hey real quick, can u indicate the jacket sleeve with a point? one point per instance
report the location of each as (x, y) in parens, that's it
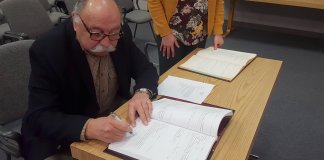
(144, 73)
(219, 17)
(159, 17)
(141, 70)
(45, 116)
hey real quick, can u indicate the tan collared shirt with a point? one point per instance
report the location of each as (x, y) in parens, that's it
(104, 79)
(105, 82)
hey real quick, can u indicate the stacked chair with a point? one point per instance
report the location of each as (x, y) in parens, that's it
(26, 19)
(55, 16)
(4, 27)
(14, 71)
(69, 4)
(134, 14)
(137, 14)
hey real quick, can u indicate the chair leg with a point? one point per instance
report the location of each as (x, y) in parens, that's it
(152, 31)
(147, 44)
(153, 44)
(135, 30)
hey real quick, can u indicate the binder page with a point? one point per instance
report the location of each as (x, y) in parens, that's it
(211, 67)
(191, 116)
(160, 141)
(185, 89)
(230, 56)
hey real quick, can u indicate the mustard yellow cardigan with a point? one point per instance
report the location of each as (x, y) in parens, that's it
(162, 11)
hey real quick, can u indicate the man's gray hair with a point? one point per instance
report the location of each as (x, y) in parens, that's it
(79, 5)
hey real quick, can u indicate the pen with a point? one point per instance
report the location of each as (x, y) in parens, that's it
(116, 117)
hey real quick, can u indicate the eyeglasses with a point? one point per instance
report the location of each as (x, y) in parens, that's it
(98, 36)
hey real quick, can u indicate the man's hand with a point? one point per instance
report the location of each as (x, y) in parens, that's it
(167, 45)
(218, 41)
(106, 129)
(141, 104)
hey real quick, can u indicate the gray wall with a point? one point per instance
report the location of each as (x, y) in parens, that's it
(288, 17)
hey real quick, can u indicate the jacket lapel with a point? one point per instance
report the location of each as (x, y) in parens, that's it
(82, 67)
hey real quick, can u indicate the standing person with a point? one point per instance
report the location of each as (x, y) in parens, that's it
(78, 72)
(183, 25)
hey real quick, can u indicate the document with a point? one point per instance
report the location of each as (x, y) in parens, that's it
(221, 63)
(178, 130)
(185, 89)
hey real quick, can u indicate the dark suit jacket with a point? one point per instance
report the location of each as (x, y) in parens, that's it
(61, 90)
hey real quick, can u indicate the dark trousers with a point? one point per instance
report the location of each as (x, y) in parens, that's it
(181, 52)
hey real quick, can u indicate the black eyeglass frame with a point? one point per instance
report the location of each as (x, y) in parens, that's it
(98, 36)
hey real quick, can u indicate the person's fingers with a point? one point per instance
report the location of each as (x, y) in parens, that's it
(132, 115)
(222, 43)
(109, 133)
(168, 52)
(142, 115)
(116, 136)
(121, 126)
(118, 129)
(150, 106)
(111, 137)
(218, 41)
(164, 51)
(215, 45)
(177, 44)
(146, 110)
(172, 51)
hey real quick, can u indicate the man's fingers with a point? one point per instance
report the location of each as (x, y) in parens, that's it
(113, 137)
(132, 115)
(150, 106)
(109, 133)
(142, 115)
(120, 126)
(146, 110)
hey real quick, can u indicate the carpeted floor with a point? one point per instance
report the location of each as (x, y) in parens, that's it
(292, 127)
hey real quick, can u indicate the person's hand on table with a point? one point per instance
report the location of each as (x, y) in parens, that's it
(141, 105)
(218, 41)
(106, 129)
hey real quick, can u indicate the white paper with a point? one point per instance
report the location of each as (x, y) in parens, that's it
(191, 116)
(185, 89)
(177, 131)
(161, 141)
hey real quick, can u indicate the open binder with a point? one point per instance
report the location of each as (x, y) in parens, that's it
(221, 63)
(178, 129)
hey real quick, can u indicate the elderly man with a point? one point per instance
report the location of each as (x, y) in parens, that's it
(80, 69)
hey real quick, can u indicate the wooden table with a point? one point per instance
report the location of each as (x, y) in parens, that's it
(315, 4)
(247, 94)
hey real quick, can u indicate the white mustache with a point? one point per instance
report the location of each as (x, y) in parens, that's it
(99, 48)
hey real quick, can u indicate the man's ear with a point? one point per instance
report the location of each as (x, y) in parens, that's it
(74, 25)
(75, 20)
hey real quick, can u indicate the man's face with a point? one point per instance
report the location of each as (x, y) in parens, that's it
(97, 32)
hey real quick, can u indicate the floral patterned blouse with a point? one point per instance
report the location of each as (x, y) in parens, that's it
(189, 22)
